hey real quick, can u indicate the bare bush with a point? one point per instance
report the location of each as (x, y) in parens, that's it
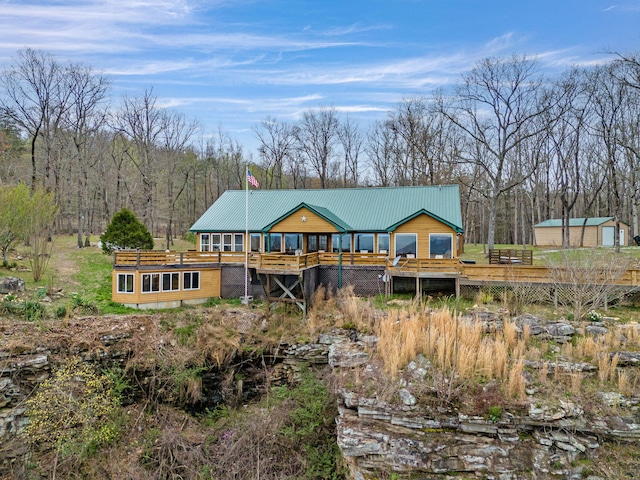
(588, 279)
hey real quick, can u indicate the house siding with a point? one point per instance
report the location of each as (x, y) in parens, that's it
(209, 287)
(424, 225)
(313, 223)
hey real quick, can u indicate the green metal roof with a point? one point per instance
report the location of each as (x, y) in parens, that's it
(575, 222)
(372, 209)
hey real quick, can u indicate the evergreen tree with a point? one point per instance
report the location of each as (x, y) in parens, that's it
(127, 232)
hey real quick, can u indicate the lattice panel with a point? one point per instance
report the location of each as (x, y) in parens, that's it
(543, 293)
(232, 283)
(365, 281)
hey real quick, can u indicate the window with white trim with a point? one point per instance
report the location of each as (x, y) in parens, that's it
(440, 245)
(125, 283)
(238, 242)
(170, 282)
(215, 242)
(204, 242)
(383, 243)
(406, 244)
(150, 282)
(191, 280)
(226, 242)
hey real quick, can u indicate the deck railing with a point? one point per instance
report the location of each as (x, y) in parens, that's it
(516, 273)
(274, 261)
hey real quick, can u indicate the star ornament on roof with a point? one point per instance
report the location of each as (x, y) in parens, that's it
(304, 218)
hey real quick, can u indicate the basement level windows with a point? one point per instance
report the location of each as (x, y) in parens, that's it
(170, 282)
(150, 282)
(159, 282)
(125, 283)
(191, 280)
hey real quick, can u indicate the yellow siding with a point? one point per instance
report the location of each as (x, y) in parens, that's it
(209, 287)
(313, 223)
(552, 236)
(423, 225)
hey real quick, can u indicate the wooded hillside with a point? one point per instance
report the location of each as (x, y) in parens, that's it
(523, 147)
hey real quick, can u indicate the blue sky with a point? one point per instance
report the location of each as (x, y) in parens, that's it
(231, 63)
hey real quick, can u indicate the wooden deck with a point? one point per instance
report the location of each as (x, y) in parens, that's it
(470, 274)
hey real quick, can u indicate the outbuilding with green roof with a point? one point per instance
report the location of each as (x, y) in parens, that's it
(583, 232)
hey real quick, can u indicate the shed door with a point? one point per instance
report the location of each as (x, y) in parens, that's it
(608, 236)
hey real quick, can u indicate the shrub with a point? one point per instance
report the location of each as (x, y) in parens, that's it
(127, 232)
(73, 412)
(33, 311)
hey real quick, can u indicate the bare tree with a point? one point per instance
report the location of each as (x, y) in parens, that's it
(141, 121)
(566, 143)
(36, 97)
(422, 141)
(352, 146)
(86, 116)
(627, 71)
(317, 134)
(177, 133)
(497, 107)
(381, 150)
(608, 98)
(277, 142)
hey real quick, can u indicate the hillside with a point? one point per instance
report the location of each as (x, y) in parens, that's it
(225, 391)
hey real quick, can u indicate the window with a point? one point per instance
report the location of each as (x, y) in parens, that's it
(125, 283)
(204, 242)
(383, 243)
(317, 243)
(345, 245)
(363, 242)
(312, 243)
(226, 242)
(323, 243)
(238, 242)
(440, 245)
(215, 242)
(292, 242)
(150, 282)
(191, 280)
(275, 242)
(406, 244)
(255, 242)
(170, 282)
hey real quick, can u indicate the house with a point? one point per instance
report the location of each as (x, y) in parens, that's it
(598, 232)
(286, 243)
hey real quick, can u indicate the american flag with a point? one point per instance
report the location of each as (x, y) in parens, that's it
(251, 179)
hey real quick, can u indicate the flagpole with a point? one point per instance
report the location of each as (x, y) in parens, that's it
(247, 243)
